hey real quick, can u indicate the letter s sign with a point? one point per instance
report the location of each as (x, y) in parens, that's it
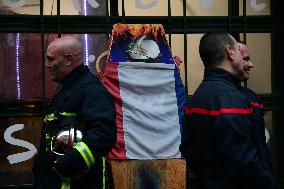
(23, 156)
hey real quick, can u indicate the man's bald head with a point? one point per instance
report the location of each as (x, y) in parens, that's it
(63, 55)
(69, 46)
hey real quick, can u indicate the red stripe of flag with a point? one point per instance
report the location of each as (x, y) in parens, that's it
(111, 82)
(217, 112)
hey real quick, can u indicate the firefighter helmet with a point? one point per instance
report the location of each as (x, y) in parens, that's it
(64, 140)
(144, 50)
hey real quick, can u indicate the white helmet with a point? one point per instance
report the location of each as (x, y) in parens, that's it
(144, 50)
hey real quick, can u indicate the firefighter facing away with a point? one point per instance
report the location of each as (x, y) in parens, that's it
(79, 126)
(218, 140)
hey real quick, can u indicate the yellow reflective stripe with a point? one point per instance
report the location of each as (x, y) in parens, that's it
(47, 138)
(65, 185)
(104, 173)
(67, 114)
(85, 153)
(50, 117)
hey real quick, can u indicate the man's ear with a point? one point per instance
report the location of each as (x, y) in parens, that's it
(68, 59)
(230, 52)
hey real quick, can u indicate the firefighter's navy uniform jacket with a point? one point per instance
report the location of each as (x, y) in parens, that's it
(220, 141)
(259, 127)
(83, 95)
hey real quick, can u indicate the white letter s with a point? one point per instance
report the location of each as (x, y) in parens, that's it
(23, 156)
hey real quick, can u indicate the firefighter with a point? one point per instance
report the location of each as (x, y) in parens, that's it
(217, 140)
(79, 126)
(258, 112)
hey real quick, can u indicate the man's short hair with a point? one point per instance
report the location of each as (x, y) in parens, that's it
(212, 48)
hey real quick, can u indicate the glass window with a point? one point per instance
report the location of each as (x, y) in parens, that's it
(21, 63)
(75, 7)
(207, 8)
(177, 48)
(176, 8)
(50, 7)
(160, 8)
(20, 66)
(195, 68)
(144, 8)
(30, 7)
(255, 7)
(259, 45)
(81, 7)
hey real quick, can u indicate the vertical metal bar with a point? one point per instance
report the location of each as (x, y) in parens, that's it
(58, 19)
(113, 7)
(123, 12)
(235, 12)
(185, 47)
(245, 28)
(42, 41)
(277, 113)
(245, 20)
(235, 8)
(274, 50)
(107, 19)
(169, 23)
(229, 16)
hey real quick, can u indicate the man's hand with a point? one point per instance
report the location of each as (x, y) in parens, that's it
(177, 61)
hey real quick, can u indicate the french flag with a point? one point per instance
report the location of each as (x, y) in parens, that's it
(148, 98)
